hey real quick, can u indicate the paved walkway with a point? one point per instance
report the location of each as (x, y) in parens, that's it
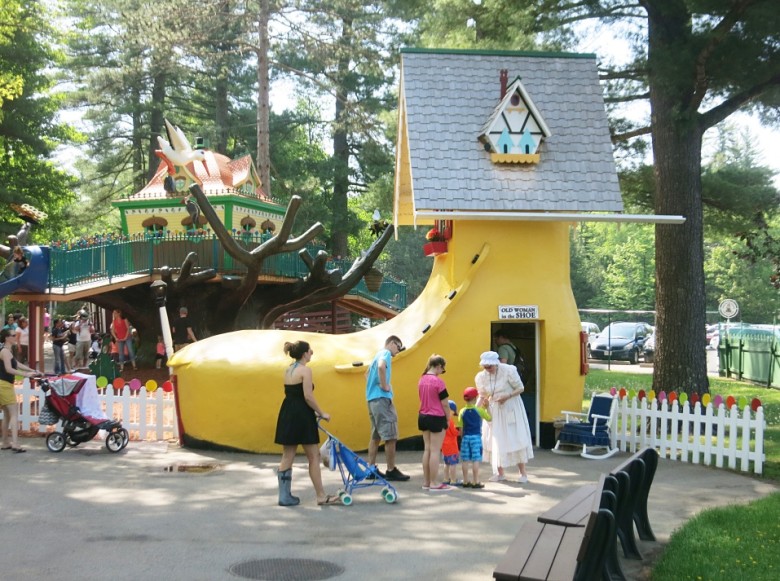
(87, 514)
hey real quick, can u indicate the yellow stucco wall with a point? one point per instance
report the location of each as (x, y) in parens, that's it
(174, 215)
(260, 216)
(230, 386)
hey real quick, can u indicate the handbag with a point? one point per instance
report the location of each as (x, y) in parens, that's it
(328, 454)
(48, 416)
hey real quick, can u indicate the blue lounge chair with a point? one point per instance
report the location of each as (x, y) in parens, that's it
(589, 436)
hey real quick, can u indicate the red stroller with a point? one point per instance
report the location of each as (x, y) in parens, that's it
(64, 395)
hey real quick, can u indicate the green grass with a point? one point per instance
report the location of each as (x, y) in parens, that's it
(736, 542)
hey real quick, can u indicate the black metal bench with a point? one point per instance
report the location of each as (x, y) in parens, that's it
(637, 474)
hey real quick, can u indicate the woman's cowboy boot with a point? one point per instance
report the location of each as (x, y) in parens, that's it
(285, 483)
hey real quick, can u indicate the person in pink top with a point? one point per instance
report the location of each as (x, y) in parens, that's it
(160, 357)
(433, 420)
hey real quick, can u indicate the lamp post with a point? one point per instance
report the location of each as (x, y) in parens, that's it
(159, 290)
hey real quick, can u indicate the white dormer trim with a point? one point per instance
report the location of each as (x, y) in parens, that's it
(495, 133)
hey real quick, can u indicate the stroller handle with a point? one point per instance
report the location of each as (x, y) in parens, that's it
(41, 379)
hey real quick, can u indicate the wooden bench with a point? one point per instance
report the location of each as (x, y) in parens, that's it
(574, 510)
(546, 549)
(552, 552)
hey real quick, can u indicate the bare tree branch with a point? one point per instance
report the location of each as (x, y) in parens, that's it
(735, 102)
(627, 98)
(186, 278)
(631, 134)
(322, 285)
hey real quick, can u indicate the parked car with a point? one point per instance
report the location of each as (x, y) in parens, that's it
(712, 331)
(648, 348)
(621, 341)
(714, 340)
(592, 329)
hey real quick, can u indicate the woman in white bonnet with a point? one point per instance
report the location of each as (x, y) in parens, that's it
(508, 437)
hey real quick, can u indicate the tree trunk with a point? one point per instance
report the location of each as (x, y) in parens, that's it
(679, 253)
(139, 175)
(221, 112)
(156, 122)
(263, 107)
(340, 225)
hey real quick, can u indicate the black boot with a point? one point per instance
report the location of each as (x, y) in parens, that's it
(285, 483)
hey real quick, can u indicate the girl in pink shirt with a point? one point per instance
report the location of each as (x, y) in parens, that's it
(433, 420)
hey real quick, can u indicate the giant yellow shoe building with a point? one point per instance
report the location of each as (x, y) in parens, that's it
(500, 152)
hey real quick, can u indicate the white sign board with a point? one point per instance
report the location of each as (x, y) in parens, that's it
(518, 311)
(728, 309)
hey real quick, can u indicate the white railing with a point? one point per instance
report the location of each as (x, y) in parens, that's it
(145, 415)
(698, 434)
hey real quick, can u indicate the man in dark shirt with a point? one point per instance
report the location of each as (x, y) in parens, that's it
(182, 330)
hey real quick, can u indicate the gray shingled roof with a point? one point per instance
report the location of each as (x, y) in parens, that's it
(450, 94)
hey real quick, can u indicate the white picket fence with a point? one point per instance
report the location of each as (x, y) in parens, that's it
(145, 415)
(710, 436)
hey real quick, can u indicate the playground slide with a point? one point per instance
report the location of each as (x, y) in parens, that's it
(35, 277)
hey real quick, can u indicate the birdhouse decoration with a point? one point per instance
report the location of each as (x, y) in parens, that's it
(515, 130)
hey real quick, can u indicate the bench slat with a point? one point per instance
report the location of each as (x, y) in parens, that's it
(544, 554)
(517, 554)
(564, 568)
(573, 510)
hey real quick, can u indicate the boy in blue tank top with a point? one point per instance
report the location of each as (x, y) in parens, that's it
(470, 421)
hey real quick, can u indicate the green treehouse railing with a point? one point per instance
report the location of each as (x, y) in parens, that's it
(82, 263)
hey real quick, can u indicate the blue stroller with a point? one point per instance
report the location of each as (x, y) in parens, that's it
(355, 472)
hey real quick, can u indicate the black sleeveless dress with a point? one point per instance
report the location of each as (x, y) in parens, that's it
(297, 422)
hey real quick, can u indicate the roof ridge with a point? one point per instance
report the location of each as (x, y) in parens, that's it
(496, 52)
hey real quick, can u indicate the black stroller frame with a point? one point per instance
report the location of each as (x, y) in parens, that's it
(355, 472)
(76, 428)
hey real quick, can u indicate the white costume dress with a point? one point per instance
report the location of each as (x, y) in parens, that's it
(507, 439)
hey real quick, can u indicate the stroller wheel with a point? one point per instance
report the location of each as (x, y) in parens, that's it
(346, 498)
(115, 442)
(389, 496)
(55, 442)
(125, 437)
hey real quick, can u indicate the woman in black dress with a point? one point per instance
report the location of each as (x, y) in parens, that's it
(297, 425)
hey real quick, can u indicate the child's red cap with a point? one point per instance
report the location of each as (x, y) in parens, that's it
(470, 393)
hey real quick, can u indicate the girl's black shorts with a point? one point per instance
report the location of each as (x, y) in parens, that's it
(428, 423)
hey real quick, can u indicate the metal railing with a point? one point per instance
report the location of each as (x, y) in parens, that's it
(88, 263)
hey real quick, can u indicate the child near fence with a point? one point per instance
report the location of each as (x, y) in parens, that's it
(450, 451)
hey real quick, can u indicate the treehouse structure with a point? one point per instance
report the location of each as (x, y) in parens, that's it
(232, 187)
(498, 154)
